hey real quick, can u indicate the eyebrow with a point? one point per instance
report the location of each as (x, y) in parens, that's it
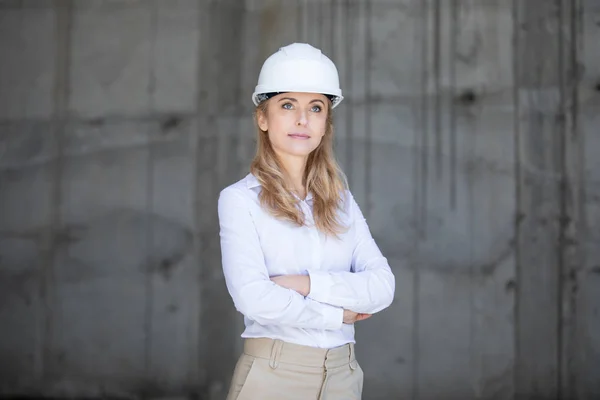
(294, 100)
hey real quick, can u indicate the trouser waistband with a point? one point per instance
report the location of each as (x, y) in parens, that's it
(277, 351)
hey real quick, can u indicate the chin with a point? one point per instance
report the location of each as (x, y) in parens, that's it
(296, 151)
(300, 152)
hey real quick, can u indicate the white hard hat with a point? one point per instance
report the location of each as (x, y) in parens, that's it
(298, 67)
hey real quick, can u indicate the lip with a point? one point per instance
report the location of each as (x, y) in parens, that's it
(297, 135)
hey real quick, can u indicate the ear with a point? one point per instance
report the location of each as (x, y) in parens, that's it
(261, 118)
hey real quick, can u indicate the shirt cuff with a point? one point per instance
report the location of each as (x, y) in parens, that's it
(320, 286)
(334, 318)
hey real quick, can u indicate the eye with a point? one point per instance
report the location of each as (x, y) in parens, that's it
(316, 109)
(287, 106)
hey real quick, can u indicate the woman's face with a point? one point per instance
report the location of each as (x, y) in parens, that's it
(295, 122)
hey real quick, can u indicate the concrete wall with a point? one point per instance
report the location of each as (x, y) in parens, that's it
(469, 134)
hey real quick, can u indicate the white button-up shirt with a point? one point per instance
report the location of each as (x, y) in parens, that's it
(345, 273)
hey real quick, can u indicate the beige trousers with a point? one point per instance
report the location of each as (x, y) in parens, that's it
(276, 370)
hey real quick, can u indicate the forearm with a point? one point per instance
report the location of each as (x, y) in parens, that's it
(270, 304)
(365, 292)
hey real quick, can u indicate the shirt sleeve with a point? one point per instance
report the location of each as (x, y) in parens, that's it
(370, 285)
(247, 277)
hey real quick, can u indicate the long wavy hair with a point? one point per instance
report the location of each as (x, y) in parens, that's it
(322, 176)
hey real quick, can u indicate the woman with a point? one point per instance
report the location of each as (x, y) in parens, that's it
(299, 261)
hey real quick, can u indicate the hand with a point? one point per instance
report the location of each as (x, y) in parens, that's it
(351, 317)
(298, 283)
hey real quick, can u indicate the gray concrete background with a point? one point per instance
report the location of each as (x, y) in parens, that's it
(469, 134)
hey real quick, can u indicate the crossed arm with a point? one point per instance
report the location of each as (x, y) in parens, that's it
(321, 300)
(301, 284)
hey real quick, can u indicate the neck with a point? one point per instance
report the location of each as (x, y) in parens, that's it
(294, 166)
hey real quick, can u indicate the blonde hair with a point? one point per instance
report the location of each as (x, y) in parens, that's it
(322, 176)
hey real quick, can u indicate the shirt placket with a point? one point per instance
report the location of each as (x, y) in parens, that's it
(314, 236)
(315, 250)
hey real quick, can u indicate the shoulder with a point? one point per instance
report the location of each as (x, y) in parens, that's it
(347, 198)
(351, 206)
(348, 203)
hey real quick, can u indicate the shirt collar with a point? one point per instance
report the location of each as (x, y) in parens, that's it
(252, 182)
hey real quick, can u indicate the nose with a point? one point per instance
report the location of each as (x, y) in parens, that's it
(302, 119)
